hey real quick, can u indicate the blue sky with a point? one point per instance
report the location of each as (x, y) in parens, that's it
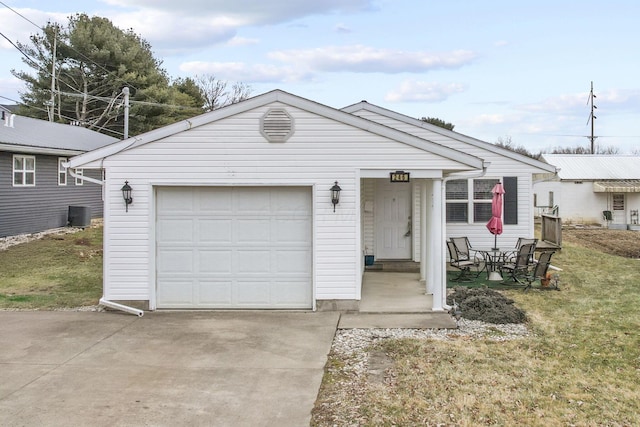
(495, 69)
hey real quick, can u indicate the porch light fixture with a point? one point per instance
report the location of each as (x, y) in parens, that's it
(126, 195)
(335, 195)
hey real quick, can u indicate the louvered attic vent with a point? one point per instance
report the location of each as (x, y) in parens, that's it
(276, 125)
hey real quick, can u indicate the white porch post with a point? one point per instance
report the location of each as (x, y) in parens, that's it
(424, 234)
(437, 246)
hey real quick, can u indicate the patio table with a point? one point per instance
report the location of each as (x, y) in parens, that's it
(493, 258)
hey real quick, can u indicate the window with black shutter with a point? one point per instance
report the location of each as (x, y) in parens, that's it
(510, 199)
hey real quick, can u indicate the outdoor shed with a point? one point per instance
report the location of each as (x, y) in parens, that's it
(237, 208)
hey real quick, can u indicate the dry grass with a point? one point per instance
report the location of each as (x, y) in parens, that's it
(581, 365)
(57, 271)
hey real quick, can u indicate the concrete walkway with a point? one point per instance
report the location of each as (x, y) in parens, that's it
(164, 369)
(395, 300)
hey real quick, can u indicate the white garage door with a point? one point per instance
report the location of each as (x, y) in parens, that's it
(233, 247)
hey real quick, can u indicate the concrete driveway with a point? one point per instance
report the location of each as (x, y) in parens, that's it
(236, 368)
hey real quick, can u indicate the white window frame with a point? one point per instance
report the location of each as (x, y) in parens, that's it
(459, 201)
(79, 173)
(484, 201)
(24, 171)
(470, 202)
(62, 171)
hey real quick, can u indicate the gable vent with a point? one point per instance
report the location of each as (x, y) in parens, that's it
(276, 125)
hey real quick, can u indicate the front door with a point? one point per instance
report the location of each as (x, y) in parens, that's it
(393, 220)
(619, 209)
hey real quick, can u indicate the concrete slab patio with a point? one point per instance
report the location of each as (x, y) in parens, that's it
(164, 369)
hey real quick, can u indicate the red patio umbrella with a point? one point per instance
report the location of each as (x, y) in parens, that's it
(495, 223)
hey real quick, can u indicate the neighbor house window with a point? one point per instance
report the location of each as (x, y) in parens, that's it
(62, 171)
(459, 200)
(24, 171)
(79, 174)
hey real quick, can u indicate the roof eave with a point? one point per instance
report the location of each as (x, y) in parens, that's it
(363, 105)
(13, 148)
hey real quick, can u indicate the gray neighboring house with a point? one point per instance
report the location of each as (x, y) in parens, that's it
(35, 190)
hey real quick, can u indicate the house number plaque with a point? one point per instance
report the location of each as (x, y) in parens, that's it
(399, 176)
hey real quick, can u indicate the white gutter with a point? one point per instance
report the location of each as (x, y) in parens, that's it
(121, 307)
(82, 177)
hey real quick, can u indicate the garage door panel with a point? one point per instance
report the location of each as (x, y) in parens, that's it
(252, 293)
(215, 261)
(215, 293)
(253, 231)
(174, 200)
(250, 261)
(291, 293)
(175, 261)
(215, 202)
(292, 201)
(214, 230)
(293, 261)
(293, 231)
(252, 201)
(234, 247)
(176, 230)
(176, 291)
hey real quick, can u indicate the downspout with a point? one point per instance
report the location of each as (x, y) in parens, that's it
(443, 228)
(121, 307)
(103, 300)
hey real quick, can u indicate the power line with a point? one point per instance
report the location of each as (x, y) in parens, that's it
(89, 60)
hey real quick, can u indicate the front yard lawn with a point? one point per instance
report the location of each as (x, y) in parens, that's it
(57, 271)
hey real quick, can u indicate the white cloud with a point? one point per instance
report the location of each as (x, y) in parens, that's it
(364, 59)
(240, 71)
(417, 91)
(342, 28)
(178, 33)
(242, 41)
(19, 29)
(251, 12)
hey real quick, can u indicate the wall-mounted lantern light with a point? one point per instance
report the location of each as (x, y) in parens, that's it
(335, 195)
(126, 195)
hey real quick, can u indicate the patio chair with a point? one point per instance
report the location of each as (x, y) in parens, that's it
(464, 248)
(459, 262)
(539, 271)
(510, 256)
(519, 267)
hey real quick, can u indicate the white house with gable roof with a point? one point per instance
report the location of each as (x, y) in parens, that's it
(235, 209)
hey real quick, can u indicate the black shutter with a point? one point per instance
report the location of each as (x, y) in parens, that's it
(510, 199)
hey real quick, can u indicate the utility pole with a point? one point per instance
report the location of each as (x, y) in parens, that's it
(592, 118)
(53, 75)
(125, 91)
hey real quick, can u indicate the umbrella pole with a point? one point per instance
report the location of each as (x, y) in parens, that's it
(495, 241)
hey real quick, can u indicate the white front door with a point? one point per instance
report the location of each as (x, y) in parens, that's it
(392, 218)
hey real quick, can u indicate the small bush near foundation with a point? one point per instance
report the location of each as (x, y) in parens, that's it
(486, 305)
